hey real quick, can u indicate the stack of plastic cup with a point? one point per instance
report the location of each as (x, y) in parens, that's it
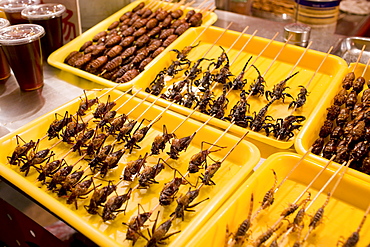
(13, 9)
(4, 66)
(49, 16)
(22, 47)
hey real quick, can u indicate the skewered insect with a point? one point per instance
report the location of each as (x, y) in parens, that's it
(85, 105)
(178, 145)
(35, 158)
(239, 82)
(283, 129)
(194, 71)
(59, 177)
(221, 59)
(170, 189)
(258, 122)
(348, 80)
(159, 234)
(204, 102)
(103, 108)
(199, 159)
(81, 139)
(110, 162)
(301, 98)
(20, 152)
(133, 167)
(182, 55)
(138, 136)
(70, 182)
(219, 106)
(147, 176)
(125, 131)
(189, 98)
(106, 119)
(99, 197)
(209, 173)
(72, 129)
(96, 143)
(258, 87)
(183, 203)
(239, 111)
(174, 92)
(160, 141)
(134, 226)
(266, 235)
(49, 169)
(277, 92)
(57, 125)
(241, 234)
(177, 66)
(113, 205)
(80, 190)
(268, 199)
(157, 85)
(116, 124)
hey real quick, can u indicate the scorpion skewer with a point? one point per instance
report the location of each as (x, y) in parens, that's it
(317, 218)
(355, 236)
(278, 89)
(260, 78)
(232, 45)
(302, 95)
(237, 55)
(269, 196)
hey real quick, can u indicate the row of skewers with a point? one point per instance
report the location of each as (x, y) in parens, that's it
(278, 234)
(99, 139)
(122, 51)
(186, 83)
(344, 135)
(295, 225)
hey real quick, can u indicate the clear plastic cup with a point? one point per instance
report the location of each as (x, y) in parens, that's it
(4, 66)
(49, 16)
(13, 9)
(22, 47)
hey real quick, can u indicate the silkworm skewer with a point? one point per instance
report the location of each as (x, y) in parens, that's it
(359, 57)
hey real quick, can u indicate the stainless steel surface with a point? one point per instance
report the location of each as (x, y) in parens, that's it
(18, 108)
(322, 40)
(350, 48)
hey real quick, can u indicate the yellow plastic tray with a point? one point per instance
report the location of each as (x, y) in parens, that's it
(236, 168)
(310, 131)
(341, 216)
(330, 73)
(56, 59)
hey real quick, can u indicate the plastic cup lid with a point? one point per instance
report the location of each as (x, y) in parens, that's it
(4, 23)
(14, 6)
(20, 34)
(43, 11)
